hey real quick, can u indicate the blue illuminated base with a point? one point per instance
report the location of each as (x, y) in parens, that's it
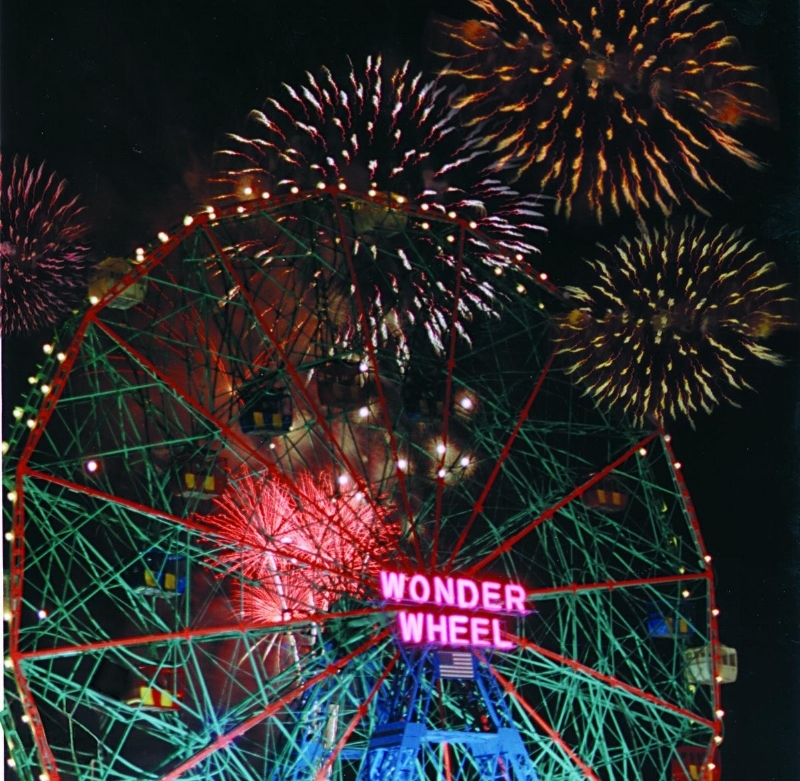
(393, 750)
(489, 748)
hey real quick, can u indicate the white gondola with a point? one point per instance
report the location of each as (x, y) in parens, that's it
(106, 274)
(699, 666)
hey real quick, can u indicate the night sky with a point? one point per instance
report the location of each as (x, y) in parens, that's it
(128, 104)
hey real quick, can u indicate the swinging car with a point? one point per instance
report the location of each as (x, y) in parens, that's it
(156, 688)
(267, 413)
(343, 385)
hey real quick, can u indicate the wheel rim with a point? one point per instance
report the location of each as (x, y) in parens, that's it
(472, 451)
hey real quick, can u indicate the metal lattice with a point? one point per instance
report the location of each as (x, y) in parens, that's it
(245, 349)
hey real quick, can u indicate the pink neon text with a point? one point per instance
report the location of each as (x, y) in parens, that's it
(458, 592)
(452, 629)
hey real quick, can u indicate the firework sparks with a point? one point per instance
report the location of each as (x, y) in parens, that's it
(41, 250)
(608, 106)
(671, 319)
(301, 548)
(393, 138)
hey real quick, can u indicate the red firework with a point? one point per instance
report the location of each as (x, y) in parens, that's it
(610, 106)
(299, 548)
(42, 253)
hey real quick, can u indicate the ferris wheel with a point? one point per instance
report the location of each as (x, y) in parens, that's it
(305, 495)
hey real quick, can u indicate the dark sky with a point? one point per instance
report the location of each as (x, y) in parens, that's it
(128, 101)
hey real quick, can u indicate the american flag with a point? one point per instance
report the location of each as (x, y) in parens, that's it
(455, 664)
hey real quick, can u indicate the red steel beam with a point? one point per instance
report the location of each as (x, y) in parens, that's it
(451, 365)
(224, 740)
(614, 682)
(552, 510)
(361, 711)
(381, 395)
(552, 733)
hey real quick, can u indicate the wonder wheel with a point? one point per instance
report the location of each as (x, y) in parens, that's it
(304, 496)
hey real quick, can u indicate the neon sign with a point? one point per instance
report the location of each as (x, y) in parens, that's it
(453, 611)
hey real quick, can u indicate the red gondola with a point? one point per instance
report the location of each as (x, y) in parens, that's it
(696, 763)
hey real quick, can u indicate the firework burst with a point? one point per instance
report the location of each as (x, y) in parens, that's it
(394, 139)
(41, 248)
(671, 320)
(608, 106)
(300, 548)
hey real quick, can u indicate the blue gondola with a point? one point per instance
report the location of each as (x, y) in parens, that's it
(668, 621)
(160, 574)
